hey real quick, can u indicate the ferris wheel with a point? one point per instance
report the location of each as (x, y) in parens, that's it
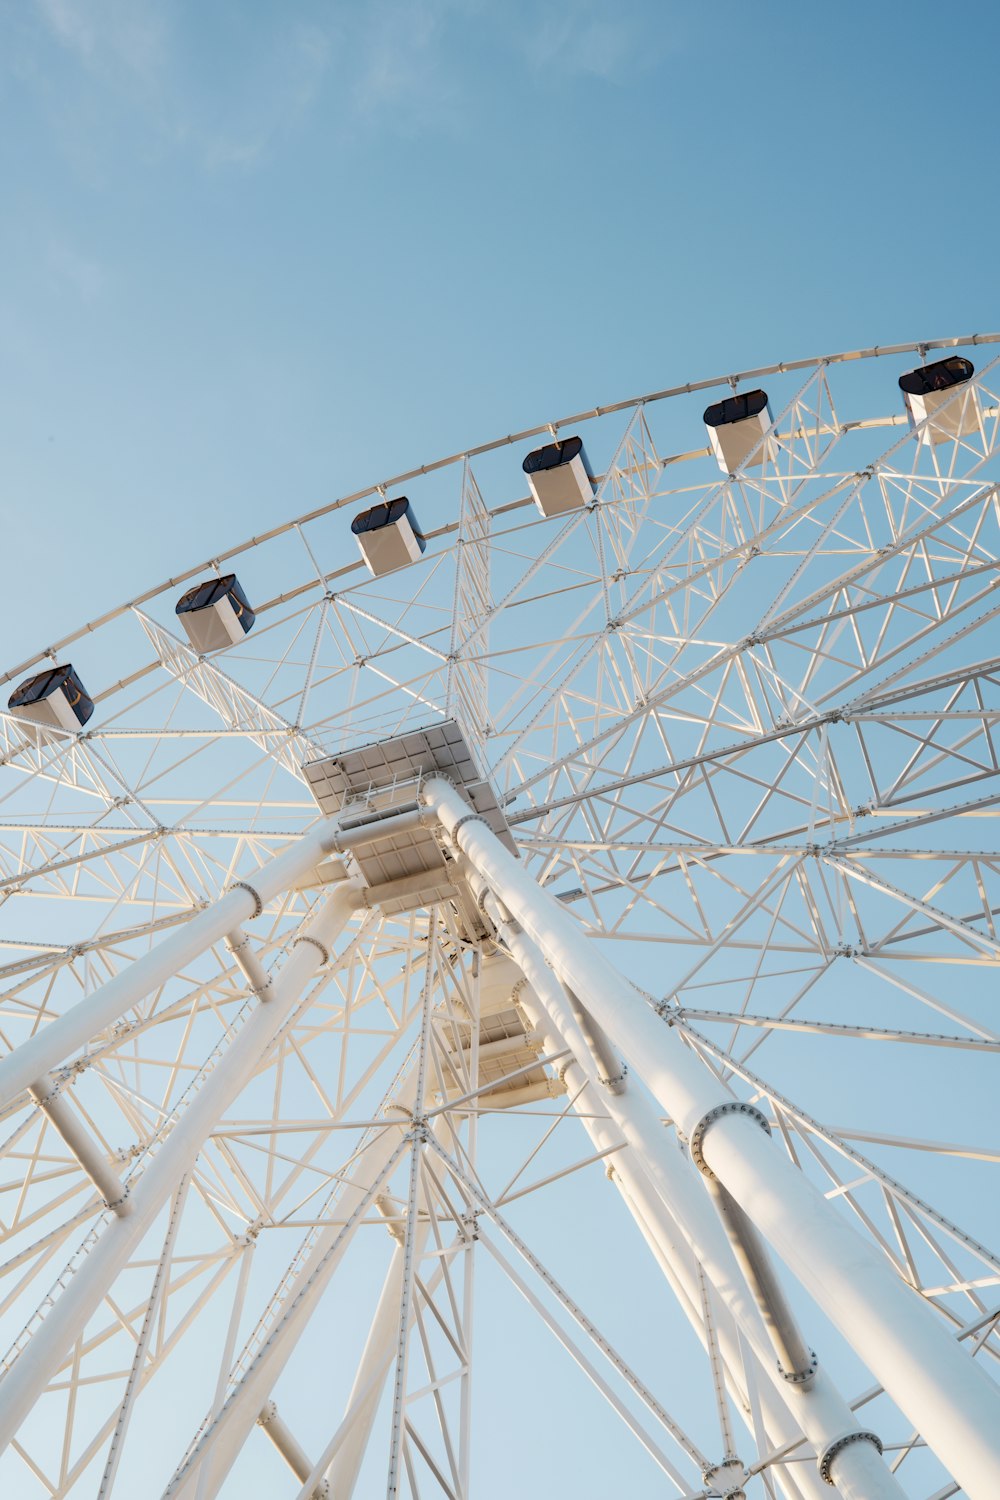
(498, 974)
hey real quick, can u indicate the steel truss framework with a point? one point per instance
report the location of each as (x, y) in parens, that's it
(322, 1197)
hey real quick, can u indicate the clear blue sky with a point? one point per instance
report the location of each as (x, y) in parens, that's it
(256, 255)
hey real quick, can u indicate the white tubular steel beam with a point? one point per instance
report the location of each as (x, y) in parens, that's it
(46, 1093)
(817, 1409)
(946, 1396)
(675, 1258)
(369, 1382)
(42, 1355)
(373, 1370)
(221, 1442)
(277, 1429)
(754, 1260)
(244, 900)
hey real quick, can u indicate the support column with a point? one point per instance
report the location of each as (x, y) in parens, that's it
(369, 1382)
(221, 1442)
(954, 1404)
(817, 1408)
(673, 1254)
(42, 1355)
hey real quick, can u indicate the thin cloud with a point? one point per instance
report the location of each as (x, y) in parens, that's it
(109, 35)
(406, 68)
(285, 90)
(591, 38)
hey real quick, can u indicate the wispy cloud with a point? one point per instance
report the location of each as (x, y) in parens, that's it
(233, 92)
(265, 81)
(400, 60)
(598, 38)
(287, 86)
(129, 36)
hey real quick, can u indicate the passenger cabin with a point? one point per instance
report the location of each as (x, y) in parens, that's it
(56, 699)
(215, 613)
(559, 477)
(736, 427)
(389, 536)
(933, 394)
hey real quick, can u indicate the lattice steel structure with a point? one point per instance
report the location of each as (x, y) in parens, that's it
(439, 958)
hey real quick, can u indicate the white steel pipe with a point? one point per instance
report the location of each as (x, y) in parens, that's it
(818, 1409)
(46, 1094)
(609, 1070)
(249, 964)
(674, 1256)
(41, 1356)
(89, 1017)
(270, 1421)
(947, 1397)
(219, 1445)
(369, 1382)
(753, 1258)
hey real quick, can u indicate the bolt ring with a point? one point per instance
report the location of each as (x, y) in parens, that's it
(731, 1107)
(472, 817)
(325, 952)
(242, 885)
(860, 1435)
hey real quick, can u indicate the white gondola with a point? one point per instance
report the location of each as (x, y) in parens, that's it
(215, 614)
(559, 477)
(933, 395)
(389, 536)
(55, 699)
(736, 428)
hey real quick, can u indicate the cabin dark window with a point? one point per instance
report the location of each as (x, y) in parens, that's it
(940, 376)
(735, 409)
(553, 455)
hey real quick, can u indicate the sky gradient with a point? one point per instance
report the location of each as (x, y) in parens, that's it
(257, 256)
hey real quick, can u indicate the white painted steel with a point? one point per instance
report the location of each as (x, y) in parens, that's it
(369, 1382)
(751, 728)
(46, 1093)
(271, 1422)
(756, 373)
(41, 1355)
(945, 1395)
(77, 1027)
(142, 1345)
(674, 1256)
(219, 1445)
(674, 1194)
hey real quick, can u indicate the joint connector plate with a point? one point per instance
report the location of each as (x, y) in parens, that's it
(731, 1107)
(826, 1458)
(323, 949)
(243, 885)
(803, 1376)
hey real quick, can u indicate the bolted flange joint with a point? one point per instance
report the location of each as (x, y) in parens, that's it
(800, 1377)
(731, 1107)
(242, 885)
(472, 817)
(323, 949)
(826, 1458)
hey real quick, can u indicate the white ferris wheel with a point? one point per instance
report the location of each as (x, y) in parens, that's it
(498, 975)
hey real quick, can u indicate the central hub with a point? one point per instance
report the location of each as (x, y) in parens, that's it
(389, 774)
